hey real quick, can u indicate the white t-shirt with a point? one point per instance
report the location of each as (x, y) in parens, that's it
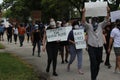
(115, 34)
(15, 30)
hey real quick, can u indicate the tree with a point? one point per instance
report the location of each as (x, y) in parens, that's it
(21, 9)
(78, 4)
(58, 9)
(113, 4)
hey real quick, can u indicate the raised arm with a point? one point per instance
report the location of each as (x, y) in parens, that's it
(84, 22)
(83, 16)
(108, 13)
(107, 18)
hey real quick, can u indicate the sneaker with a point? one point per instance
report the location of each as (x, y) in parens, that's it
(102, 61)
(62, 62)
(80, 72)
(39, 56)
(68, 68)
(109, 66)
(117, 71)
(32, 54)
(66, 61)
(55, 74)
(47, 70)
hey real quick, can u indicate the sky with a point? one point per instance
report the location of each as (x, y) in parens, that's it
(1, 1)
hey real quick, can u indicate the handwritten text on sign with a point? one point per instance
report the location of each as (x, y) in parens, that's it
(60, 34)
(79, 38)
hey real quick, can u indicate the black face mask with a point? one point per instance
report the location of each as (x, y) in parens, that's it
(118, 26)
(95, 26)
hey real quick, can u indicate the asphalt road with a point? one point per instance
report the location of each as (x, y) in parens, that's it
(39, 64)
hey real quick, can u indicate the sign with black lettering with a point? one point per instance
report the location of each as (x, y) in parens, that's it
(52, 35)
(79, 38)
(58, 34)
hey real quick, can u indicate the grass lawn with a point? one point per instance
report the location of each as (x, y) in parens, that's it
(2, 46)
(12, 68)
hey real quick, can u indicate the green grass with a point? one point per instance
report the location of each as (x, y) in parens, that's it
(2, 46)
(12, 68)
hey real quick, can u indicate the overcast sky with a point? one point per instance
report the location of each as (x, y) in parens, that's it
(1, 1)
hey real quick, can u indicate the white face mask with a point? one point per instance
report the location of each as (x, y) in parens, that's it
(52, 23)
(76, 26)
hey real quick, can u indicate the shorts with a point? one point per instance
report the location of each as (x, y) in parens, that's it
(117, 51)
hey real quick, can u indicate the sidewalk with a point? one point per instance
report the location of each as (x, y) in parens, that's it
(39, 64)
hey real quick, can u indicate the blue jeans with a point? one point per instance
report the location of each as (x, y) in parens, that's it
(73, 53)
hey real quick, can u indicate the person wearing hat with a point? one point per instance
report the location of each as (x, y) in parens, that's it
(36, 38)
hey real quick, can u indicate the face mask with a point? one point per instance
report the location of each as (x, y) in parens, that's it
(118, 26)
(95, 25)
(76, 27)
(53, 23)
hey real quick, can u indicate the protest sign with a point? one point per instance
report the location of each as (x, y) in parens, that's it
(94, 9)
(79, 38)
(67, 30)
(115, 15)
(60, 34)
(52, 35)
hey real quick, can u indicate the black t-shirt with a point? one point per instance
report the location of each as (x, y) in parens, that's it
(36, 36)
(9, 30)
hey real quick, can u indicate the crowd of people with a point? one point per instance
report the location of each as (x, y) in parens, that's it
(99, 35)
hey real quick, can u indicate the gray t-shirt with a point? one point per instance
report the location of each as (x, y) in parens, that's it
(95, 38)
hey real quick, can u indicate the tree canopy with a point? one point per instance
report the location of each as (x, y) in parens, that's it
(58, 9)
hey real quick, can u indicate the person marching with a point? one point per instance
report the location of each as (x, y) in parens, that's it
(36, 38)
(51, 48)
(95, 42)
(63, 45)
(15, 32)
(115, 40)
(107, 31)
(21, 33)
(72, 49)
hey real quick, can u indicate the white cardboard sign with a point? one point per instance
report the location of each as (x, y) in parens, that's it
(58, 34)
(115, 15)
(79, 38)
(94, 9)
